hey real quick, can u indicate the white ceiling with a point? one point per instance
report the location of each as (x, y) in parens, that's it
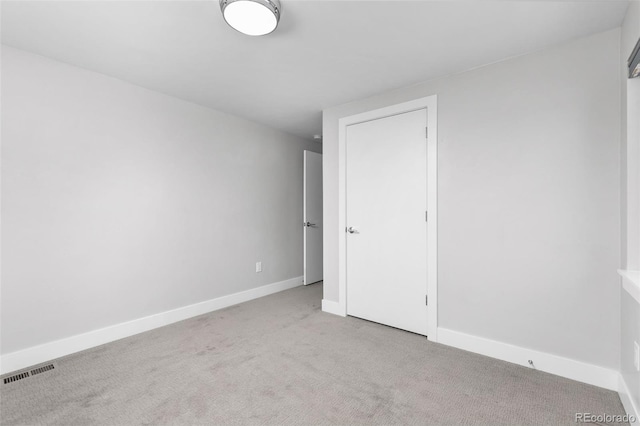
(324, 53)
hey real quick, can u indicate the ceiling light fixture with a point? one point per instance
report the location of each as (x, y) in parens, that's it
(251, 17)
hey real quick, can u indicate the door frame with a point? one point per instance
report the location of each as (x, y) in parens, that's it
(431, 105)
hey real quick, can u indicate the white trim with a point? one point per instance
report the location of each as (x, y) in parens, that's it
(554, 364)
(48, 351)
(332, 307)
(627, 402)
(631, 283)
(304, 217)
(431, 104)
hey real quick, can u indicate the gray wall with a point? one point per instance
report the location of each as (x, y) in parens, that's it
(630, 143)
(630, 308)
(528, 192)
(119, 202)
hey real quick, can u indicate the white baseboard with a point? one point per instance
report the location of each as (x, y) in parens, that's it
(56, 349)
(334, 308)
(629, 405)
(554, 364)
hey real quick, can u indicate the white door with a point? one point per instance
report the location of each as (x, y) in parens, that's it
(386, 184)
(312, 217)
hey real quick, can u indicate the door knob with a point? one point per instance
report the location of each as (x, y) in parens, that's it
(352, 230)
(309, 224)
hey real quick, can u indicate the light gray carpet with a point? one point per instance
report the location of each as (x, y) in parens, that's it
(279, 360)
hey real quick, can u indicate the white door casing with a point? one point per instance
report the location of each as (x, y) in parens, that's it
(339, 307)
(386, 177)
(312, 217)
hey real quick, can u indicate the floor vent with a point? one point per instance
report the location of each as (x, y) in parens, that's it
(42, 369)
(26, 374)
(16, 377)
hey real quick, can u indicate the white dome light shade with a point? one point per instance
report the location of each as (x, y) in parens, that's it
(251, 17)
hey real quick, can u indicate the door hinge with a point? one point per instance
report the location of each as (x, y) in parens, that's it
(426, 216)
(426, 300)
(426, 132)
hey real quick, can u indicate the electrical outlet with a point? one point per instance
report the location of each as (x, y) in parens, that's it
(258, 266)
(636, 355)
